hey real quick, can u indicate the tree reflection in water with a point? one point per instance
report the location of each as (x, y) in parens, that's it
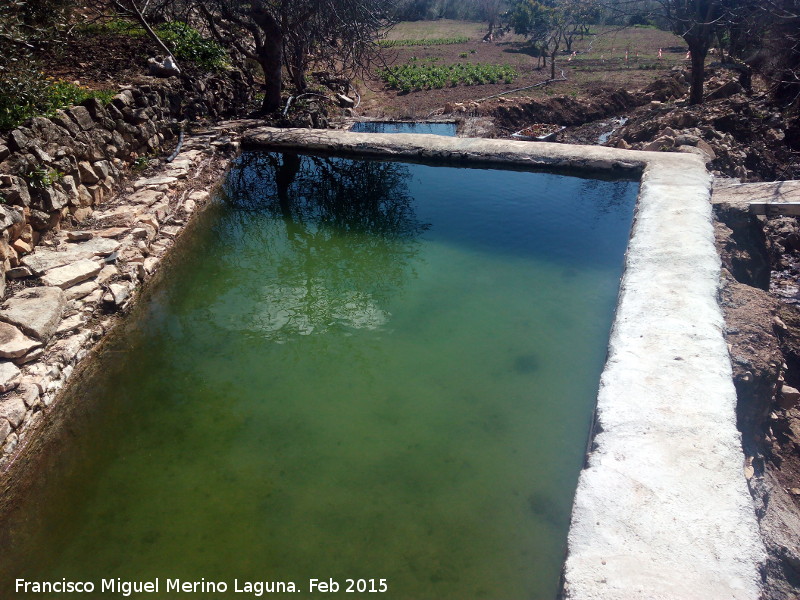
(340, 237)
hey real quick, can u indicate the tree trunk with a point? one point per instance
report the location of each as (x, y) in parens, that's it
(553, 63)
(270, 56)
(699, 52)
(271, 61)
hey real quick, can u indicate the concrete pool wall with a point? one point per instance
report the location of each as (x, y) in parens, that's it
(662, 508)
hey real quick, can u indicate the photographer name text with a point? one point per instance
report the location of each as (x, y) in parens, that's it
(125, 588)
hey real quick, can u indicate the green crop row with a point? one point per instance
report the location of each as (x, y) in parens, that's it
(416, 76)
(429, 42)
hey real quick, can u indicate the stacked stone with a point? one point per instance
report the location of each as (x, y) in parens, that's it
(69, 164)
(83, 276)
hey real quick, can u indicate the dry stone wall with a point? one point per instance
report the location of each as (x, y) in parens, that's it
(73, 249)
(67, 165)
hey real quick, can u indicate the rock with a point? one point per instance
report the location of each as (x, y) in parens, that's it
(707, 149)
(36, 311)
(789, 398)
(161, 211)
(120, 215)
(21, 247)
(18, 273)
(725, 90)
(686, 139)
(29, 393)
(87, 173)
(19, 141)
(148, 219)
(81, 116)
(124, 99)
(149, 265)
(70, 324)
(171, 231)
(70, 274)
(154, 181)
(103, 169)
(15, 191)
(5, 429)
(14, 343)
(81, 290)
(694, 150)
(79, 236)
(144, 232)
(9, 379)
(660, 144)
(111, 232)
(117, 294)
(53, 198)
(107, 273)
(70, 188)
(165, 68)
(146, 196)
(43, 260)
(11, 443)
(39, 220)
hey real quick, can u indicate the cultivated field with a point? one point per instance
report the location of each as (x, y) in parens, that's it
(599, 60)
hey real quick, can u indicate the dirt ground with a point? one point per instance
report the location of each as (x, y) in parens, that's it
(758, 295)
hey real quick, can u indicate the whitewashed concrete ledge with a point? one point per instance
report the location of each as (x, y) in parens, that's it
(662, 508)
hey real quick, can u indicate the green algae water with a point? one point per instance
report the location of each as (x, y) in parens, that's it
(375, 375)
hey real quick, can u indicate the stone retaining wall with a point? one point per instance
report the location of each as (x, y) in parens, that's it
(61, 173)
(65, 166)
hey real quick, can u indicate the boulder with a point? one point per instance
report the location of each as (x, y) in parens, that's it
(36, 311)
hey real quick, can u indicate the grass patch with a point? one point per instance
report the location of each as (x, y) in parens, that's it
(425, 42)
(41, 97)
(184, 41)
(418, 76)
(441, 28)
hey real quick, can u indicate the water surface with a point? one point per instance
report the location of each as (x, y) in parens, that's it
(446, 129)
(352, 369)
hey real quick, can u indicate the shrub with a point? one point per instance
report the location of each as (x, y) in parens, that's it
(188, 44)
(26, 93)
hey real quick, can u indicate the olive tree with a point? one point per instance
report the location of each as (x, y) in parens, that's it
(291, 35)
(699, 22)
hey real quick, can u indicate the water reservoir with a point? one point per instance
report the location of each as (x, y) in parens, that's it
(350, 369)
(446, 129)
